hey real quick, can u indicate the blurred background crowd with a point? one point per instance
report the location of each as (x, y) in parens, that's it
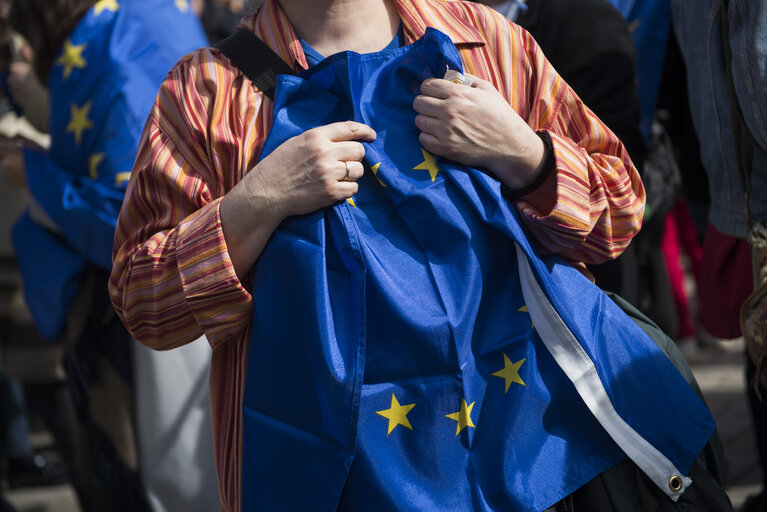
(130, 428)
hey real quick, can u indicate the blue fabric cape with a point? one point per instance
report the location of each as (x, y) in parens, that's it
(393, 364)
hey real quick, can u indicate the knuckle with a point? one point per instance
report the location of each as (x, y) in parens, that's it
(353, 127)
(348, 191)
(317, 152)
(329, 187)
(359, 151)
(314, 137)
(452, 109)
(325, 168)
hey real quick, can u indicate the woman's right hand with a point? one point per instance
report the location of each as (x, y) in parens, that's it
(304, 174)
(308, 172)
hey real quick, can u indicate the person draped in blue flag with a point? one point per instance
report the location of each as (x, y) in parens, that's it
(378, 258)
(102, 62)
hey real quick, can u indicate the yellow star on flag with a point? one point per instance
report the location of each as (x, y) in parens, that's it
(524, 309)
(71, 57)
(93, 167)
(105, 5)
(396, 414)
(79, 122)
(463, 417)
(182, 5)
(429, 164)
(375, 173)
(510, 372)
(121, 178)
(351, 202)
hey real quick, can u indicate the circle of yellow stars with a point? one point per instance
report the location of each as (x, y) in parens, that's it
(397, 413)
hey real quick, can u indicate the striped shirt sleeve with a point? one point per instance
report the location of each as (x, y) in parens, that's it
(595, 199)
(599, 194)
(172, 278)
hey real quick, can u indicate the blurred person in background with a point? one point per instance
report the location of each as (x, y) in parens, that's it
(724, 45)
(591, 46)
(30, 367)
(102, 62)
(221, 17)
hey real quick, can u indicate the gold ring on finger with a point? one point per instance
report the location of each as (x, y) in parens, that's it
(346, 176)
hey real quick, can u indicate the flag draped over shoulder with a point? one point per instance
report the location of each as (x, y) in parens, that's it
(411, 350)
(102, 87)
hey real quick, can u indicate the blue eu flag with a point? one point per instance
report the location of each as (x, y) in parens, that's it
(102, 87)
(411, 350)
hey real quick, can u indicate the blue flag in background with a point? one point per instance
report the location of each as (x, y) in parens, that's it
(102, 86)
(411, 350)
(649, 22)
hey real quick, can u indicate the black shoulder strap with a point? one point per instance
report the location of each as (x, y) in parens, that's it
(255, 59)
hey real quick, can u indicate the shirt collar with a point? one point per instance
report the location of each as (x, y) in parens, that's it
(271, 24)
(447, 16)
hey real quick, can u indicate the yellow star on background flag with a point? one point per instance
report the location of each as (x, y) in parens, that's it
(429, 164)
(396, 414)
(93, 167)
(375, 173)
(524, 309)
(79, 122)
(71, 57)
(105, 5)
(121, 178)
(510, 372)
(463, 417)
(182, 5)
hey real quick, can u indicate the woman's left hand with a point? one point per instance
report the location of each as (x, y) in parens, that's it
(475, 126)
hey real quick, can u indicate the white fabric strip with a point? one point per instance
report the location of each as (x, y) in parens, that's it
(579, 368)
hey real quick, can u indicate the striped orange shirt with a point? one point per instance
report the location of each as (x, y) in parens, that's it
(172, 278)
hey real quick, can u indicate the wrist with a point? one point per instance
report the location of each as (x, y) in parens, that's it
(247, 223)
(520, 168)
(247, 208)
(543, 170)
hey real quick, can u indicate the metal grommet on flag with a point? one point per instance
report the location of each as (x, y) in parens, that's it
(579, 368)
(675, 483)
